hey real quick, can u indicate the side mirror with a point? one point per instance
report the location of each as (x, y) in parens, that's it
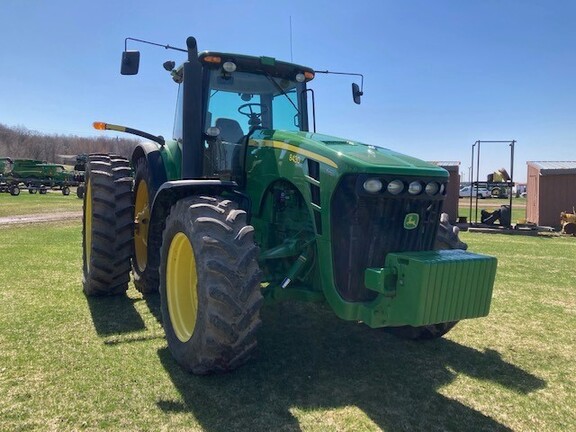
(356, 93)
(130, 62)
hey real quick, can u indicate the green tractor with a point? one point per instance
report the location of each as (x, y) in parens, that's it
(245, 203)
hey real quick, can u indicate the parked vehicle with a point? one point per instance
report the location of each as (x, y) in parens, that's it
(481, 192)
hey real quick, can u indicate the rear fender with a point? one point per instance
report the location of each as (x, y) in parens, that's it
(156, 169)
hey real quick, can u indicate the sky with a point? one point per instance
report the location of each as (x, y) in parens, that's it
(438, 74)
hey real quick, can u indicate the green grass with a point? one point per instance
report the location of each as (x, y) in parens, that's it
(72, 363)
(26, 203)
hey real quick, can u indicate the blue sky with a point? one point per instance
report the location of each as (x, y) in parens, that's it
(439, 75)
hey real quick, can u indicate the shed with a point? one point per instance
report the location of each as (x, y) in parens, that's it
(451, 201)
(551, 189)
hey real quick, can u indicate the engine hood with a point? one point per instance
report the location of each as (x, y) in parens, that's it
(348, 155)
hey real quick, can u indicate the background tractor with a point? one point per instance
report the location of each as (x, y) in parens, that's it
(246, 203)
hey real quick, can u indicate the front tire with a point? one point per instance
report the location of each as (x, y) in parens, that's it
(107, 226)
(209, 285)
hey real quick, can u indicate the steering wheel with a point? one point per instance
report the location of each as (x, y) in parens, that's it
(254, 118)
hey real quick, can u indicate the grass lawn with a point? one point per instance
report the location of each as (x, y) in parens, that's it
(27, 203)
(72, 363)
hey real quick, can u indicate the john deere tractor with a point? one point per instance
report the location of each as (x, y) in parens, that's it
(245, 203)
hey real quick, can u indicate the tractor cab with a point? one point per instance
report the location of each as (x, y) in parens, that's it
(242, 94)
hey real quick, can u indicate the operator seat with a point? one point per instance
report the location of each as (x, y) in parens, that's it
(230, 130)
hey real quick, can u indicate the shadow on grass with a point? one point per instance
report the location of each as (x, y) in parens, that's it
(310, 360)
(153, 302)
(114, 314)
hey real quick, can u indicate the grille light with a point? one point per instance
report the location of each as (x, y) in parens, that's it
(432, 188)
(372, 185)
(395, 187)
(415, 188)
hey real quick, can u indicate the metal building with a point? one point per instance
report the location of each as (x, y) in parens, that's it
(451, 203)
(551, 189)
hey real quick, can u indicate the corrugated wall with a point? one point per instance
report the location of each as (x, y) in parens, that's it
(548, 195)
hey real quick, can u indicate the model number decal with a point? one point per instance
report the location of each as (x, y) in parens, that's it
(294, 158)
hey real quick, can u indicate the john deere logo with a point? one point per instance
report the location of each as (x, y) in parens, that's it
(411, 221)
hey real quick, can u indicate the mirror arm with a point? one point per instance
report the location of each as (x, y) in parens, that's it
(150, 43)
(345, 73)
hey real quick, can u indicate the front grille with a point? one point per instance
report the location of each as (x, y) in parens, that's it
(366, 227)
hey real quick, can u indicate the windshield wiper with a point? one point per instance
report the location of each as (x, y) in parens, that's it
(281, 90)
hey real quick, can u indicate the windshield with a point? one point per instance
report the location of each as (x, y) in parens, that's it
(241, 101)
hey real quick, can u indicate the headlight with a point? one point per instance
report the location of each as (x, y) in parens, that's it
(395, 187)
(432, 188)
(372, 185)
(415, 188)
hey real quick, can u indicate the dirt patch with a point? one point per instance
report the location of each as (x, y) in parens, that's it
(38, 218)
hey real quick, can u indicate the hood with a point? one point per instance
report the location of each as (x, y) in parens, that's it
(354, 155)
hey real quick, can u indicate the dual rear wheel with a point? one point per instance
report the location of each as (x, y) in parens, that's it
(207, 264)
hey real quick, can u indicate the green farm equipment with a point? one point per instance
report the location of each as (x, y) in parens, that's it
(37, 176)
(245, 203)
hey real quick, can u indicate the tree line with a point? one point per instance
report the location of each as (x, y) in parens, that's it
(22, 143)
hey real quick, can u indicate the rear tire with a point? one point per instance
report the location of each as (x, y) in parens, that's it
(107, 226)
(446, 238)
(144, 267)
(209, 285)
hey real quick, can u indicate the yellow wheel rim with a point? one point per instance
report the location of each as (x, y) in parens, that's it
(88, 224)
(141, 220)
(182, 287)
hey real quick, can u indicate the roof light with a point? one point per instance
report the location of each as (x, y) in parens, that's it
(308, 75)
(300, 77)
(229, 66)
